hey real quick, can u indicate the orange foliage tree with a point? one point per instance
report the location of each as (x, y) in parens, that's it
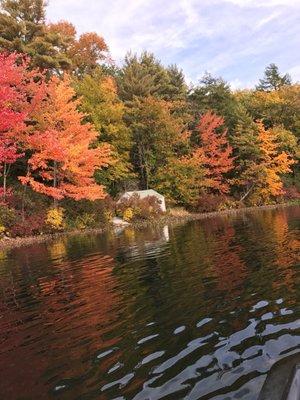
(84, 53)
(62, 162)
(215, 152)
(88, 51)
(271, 164)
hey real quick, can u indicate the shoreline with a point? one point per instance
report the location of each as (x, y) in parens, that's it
(11, 243)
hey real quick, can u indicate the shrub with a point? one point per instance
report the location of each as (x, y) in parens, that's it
(8, 216)
(108, 215)
(89, 213)
(84, 221)
(106, 209)
(229, 204)
(145, 208)
(291, 193)
(15, 223)
(128, 214)
(208, 203)
(178, 212)
(55, 218)
(32, 202)
(2, 229)
(31, 225)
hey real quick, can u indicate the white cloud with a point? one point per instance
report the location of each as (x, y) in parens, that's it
(266, 20)
(237, 84)
(295, 73)
(198, 35)
(263, 3)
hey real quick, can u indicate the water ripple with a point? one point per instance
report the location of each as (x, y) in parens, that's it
(196, 311)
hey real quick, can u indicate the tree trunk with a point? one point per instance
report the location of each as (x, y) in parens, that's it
(23, 197)
(55, 181)
(142, 167)
(4, 180)
(247, 193)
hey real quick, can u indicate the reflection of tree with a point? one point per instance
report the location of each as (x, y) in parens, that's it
(137, 242)
(287, 253)
(200, 260)
(57, 249)
(69, 306)
(64, 303)
(228, 266)
(270, 249)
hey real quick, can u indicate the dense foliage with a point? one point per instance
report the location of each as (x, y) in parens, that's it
(76, 130)
(136, 208)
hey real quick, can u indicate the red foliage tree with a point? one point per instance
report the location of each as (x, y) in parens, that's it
(20, 92)
(215, 152)
(11, 114)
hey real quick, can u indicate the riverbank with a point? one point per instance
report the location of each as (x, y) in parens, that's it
(10, 243)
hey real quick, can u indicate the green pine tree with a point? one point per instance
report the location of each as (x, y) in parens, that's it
(23, 29)
(215, 94)
(272, 79)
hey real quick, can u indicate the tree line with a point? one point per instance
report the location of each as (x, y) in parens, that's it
(74, 125)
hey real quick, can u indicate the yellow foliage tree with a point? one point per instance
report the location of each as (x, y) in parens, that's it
(100, 102)
(182, 178)
(55, 218)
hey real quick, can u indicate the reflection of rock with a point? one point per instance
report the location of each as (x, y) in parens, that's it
(118, 229)
(149, 241)
(166, 233)
(119, 225)
(119, 222)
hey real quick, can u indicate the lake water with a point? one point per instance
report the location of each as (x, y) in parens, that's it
(200, 310)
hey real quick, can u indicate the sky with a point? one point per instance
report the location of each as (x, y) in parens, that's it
(235, 39)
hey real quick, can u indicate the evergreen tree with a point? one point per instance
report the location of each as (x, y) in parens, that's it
(156, 133)
(23, 29)
(246, 150)
(214, 94)
(176, 86)
(272, 79)
(142, 77)
(156, 112)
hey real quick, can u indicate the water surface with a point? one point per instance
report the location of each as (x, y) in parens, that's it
(196, 311)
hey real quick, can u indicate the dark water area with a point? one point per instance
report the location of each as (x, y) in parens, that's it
(200, 310)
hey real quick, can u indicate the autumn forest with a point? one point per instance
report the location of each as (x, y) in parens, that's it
(76, 130)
